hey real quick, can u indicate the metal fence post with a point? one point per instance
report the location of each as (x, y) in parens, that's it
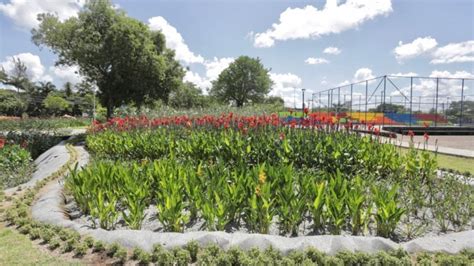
(383, 102)
(411, 99)
(436, 104)
(462, 102)
(366, 99)
(319, 104)
(350, 110)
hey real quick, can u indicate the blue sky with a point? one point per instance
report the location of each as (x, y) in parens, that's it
(365, 38)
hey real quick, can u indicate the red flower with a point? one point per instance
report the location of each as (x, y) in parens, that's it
(411, 133)
(377, 131)
(24, 144)
(282, 136)
(2, 143)
(426, 136)
(306, 110)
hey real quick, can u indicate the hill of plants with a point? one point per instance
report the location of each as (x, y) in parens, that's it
(261, 174)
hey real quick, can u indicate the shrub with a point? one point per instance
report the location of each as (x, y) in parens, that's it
(193, 248)
(183, 257)
(54, 243)
(121, 254)
(112, 249)
(98, 246)
(80, 249)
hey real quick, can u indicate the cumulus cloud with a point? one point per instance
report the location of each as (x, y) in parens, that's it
(24, 13)
(408, 74)
(37, 72)
(454, 53)
(363, 74)
(174, 40)
(288, 87)
(35, 69)
(415, 48)
(332, 50)
(65, 74)
(311, 22)
(426, 88)
(213, 68)
(316, 61)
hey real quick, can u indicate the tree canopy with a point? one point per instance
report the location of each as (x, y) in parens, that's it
(245, 80)
(120, 55)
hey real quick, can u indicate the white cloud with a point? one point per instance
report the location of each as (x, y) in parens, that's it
(408, 74)
(288, 87)
(454, 53)
(363, 74)
(37, 72)
(415, 48)
(332, 50)
(213, 69)
(65, 74)
(174, 40)
(309, 22)
(24, 12)
(426, 88)
(35, 69)
(316, 61)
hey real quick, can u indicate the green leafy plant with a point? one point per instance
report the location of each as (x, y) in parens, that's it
(388, 213)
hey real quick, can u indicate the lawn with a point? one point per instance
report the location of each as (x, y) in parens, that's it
(16, 249)
(456, 163)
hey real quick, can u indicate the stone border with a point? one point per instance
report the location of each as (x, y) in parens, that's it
(48, 209)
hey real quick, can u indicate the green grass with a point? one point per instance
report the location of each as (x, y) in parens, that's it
(17, 249)
(457, 163)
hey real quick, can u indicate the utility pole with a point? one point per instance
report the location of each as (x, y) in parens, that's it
(302, 90)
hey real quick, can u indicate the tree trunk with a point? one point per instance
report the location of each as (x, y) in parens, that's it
(110, 109)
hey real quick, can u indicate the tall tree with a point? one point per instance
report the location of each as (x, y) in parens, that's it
(18, 77)
(117, 53)
(68, 89)
(246, 79)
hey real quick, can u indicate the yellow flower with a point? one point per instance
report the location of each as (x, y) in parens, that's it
(262, 177)
(257, 190)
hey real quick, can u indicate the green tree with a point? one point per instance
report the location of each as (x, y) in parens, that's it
(125, 60)
(11, 103)
(187, 96)
(55, 105)
(388, 108)
(68, 89)
(18, 77)
(246, 79)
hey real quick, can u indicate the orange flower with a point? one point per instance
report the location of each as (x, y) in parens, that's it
(258, 191)
(2, 143)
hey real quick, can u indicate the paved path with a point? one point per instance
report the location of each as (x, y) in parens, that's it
(451, 145)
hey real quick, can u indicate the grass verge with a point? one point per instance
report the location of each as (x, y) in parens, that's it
(17, 249)
(456, 163)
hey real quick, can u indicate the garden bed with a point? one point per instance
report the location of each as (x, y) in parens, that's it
(260, 175)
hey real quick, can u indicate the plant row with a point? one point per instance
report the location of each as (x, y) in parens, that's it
(252, 197)
(310, 148)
